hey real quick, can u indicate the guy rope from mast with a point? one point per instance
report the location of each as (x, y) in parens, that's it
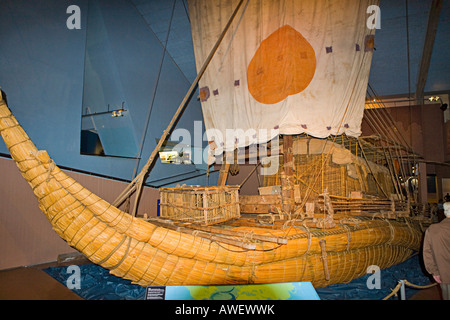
(137, 182)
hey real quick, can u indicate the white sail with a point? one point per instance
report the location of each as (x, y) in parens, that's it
(284, 67)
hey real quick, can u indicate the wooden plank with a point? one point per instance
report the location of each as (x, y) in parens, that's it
(260, 199)
(225, 169)
(259, 203)
(223, 176)
(258, 208)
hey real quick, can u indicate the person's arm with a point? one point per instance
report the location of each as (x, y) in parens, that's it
(428, 256)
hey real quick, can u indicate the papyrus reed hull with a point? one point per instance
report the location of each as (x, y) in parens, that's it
(148, 254)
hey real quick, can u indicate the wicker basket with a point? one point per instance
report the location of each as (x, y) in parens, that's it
(201, 205)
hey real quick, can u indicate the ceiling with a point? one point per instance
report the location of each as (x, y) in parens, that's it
(399, 43)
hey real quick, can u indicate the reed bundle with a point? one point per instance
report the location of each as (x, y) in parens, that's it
(147, 253)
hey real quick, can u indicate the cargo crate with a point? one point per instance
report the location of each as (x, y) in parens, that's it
(201, 205)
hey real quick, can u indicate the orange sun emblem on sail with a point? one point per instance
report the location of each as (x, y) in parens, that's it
(283, 65)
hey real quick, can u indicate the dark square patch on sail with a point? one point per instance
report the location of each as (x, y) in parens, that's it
(369, 43)
(204, 94)
(329, 49)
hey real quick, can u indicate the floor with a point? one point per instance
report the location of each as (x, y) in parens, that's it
(433, 293)
(31, 283)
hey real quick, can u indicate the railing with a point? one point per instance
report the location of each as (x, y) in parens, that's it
(401, 287)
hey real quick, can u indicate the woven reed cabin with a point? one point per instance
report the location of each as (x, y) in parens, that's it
(220, 142)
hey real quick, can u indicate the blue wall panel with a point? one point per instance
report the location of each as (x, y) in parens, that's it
(42, 72)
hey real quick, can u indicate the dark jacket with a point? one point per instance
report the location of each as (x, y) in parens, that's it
(436, 250)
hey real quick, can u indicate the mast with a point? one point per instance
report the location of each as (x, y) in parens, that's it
(287, 176)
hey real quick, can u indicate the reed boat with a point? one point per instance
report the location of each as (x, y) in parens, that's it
(329, 212)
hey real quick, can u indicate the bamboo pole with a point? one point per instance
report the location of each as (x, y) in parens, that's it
(322, 244)
(287, 186)
(254, 236)
(206, 235)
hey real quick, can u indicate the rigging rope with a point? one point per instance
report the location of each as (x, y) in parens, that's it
(155, 88)
(381, 121)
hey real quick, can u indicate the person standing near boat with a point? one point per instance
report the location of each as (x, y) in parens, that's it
(436, 252)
